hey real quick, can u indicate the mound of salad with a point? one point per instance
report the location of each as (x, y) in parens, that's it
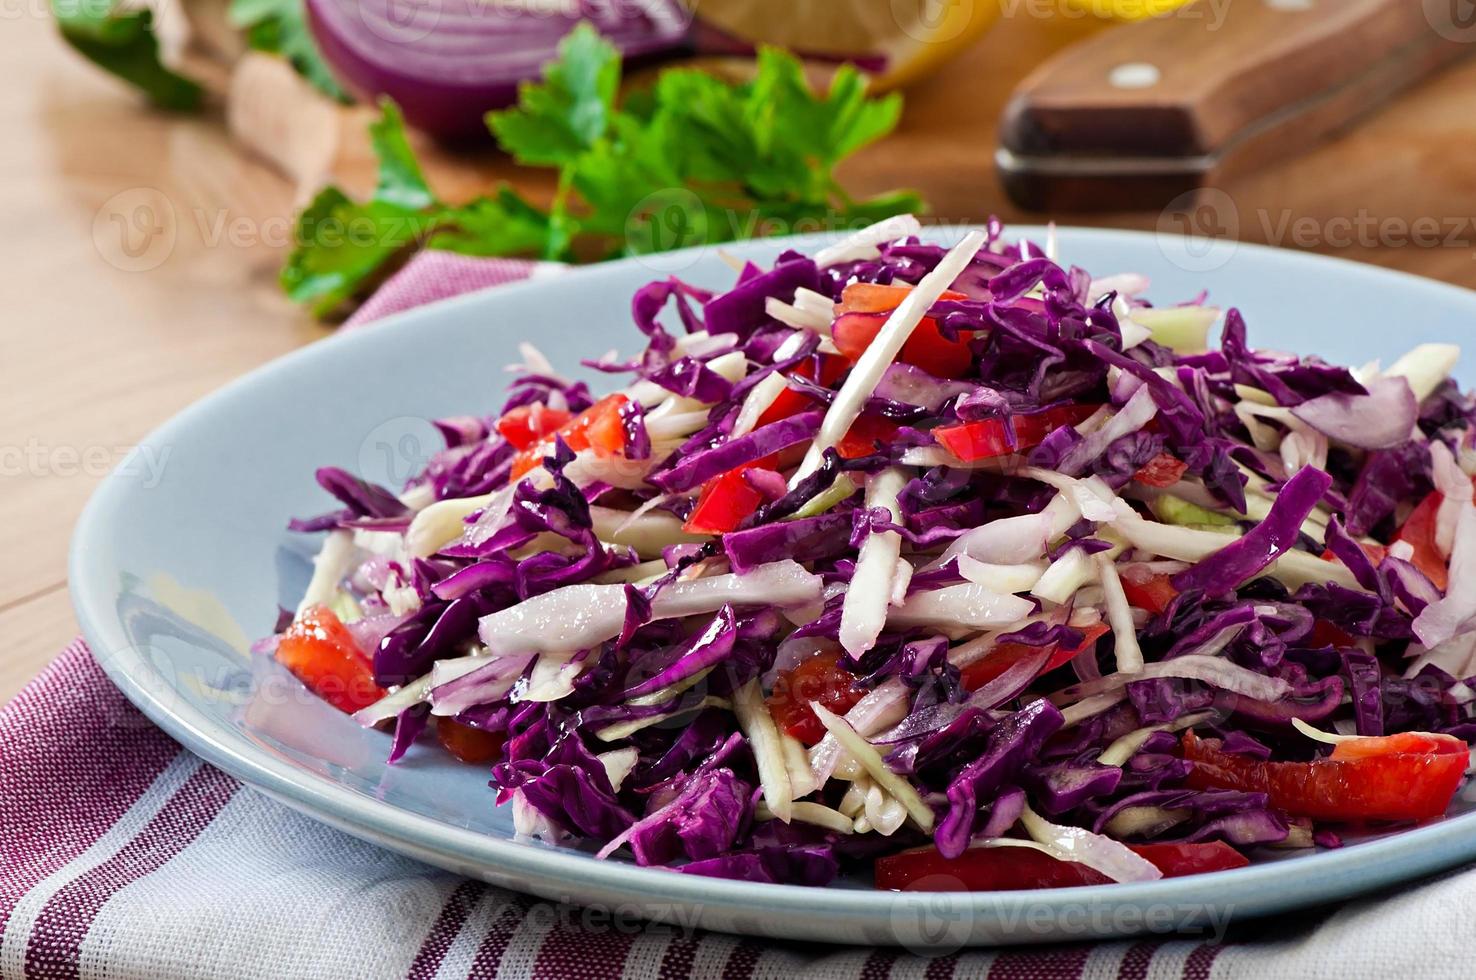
(958, 566)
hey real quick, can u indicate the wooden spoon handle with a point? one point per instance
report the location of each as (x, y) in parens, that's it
(1141, 113)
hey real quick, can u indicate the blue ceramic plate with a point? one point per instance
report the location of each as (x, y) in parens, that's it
(182, 558)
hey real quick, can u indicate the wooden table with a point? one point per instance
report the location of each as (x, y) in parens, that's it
(140, 254)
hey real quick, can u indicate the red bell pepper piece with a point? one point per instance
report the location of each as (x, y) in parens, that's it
(1163, 470)
(469, 744)
(870, 297)
(863, 310)
(527, 425)
(1015, 868)
(822, 679)
(598, 427)
(791, 402)
(724, 503)
(1419, 531)
(1153, 594)
(1325, 634)
(1004, 656)
(1401, 777)
(988, 438)
(864, 434)
(321, 652)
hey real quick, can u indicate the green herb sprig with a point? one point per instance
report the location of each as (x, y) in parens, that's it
(693, 160)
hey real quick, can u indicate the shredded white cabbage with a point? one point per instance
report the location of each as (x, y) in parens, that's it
(816, 813)
(1425, 367)
(624, 729)
(758, 400)
(864, 610)
(580, 617)
(618, 763)
(1120, 617)
(1068, 574)
(882, 350)
(768, 750)
(1211, 670)
(863, 244)
(875, 766)
(1103, 854)
(445, 520)
(970, 605)
(1004, 579)
(1124, 748)
(1184, 329)
(331, 566)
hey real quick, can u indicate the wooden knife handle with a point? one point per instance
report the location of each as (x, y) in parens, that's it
(1139, 113)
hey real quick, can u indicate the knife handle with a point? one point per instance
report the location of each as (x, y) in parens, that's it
(1138, 114)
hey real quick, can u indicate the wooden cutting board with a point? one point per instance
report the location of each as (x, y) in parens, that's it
(1387, 184)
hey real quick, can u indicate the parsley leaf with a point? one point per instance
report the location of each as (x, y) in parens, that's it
(570, 111)
(342, 247)
(122, 42)
(280, 27)
(400, 178)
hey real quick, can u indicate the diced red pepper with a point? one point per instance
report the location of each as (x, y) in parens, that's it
(1419, 531)
(598, 427)
(321, 652)
(1375, 552)
(1005, 655)
(1163, 470)
(1401, 777)
(990, 869)
(527, 425)
(822, 679)
(988, 438)
(724, 503)
(791, 402)
(862, 437)
(1153, 594)
(1325, 634)
(870, 297)
(863, 310)
(469, 744)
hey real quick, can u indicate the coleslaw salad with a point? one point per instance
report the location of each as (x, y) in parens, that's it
(928, 559)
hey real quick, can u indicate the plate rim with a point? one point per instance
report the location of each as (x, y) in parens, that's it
(1325, 876)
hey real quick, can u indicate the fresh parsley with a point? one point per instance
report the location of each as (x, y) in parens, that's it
(694, 160)
(280, 27)
(119, 37)
(121, 40)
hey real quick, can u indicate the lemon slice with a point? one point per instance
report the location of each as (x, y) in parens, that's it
(1127, 9)
(908, 38)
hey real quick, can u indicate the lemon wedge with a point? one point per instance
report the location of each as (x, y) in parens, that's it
(1127, 9)
(906, 39)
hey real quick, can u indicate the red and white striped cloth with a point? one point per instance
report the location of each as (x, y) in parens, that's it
(123, 857)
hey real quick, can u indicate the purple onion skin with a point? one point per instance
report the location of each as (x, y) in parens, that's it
(428, 61)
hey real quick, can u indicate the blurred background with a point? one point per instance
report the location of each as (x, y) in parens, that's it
(193, 187)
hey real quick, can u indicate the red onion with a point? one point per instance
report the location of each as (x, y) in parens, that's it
(447, 62)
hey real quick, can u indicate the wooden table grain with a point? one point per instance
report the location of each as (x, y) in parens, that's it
(139, 253)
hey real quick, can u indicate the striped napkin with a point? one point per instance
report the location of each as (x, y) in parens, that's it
(124, 857)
